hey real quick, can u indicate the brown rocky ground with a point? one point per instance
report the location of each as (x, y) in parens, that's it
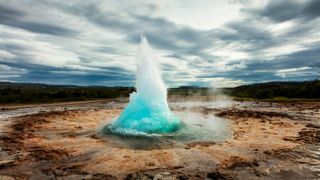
(270, 141)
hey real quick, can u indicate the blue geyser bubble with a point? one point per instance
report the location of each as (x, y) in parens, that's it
(148, 111)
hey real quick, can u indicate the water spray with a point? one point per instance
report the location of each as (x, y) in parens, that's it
(148, 111)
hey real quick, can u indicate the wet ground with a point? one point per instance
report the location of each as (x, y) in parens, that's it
(267, 141)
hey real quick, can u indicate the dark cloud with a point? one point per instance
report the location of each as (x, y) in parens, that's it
(109, 76)
(263, 70)
(175, 55)
(106, 49)
(255, 76)
(246, 31)
(168, 67)
(15, 18)
(252, 36)
(161, 32)
(284, 10)
(305, 58)
(8, 13)
(91, 79)
(188, 45)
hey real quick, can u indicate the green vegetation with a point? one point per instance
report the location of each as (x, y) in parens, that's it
(278, 91)
(42, 93)
(189, 90)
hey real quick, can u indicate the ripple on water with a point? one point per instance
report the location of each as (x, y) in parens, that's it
(195, 127)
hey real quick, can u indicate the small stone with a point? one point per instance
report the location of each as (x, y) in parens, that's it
(6, 163)
(165, 173)
(6, 178)
(150, 164)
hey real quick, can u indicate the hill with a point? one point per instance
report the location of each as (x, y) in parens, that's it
(306, 90)
(45, 93)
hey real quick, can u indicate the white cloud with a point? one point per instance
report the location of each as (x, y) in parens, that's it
(7, 72)
(293, 71)
(219, 82)
(201, 14)
(6, 55)
(205, 41)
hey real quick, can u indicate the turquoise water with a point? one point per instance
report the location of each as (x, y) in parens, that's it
(148, 111)
(148, 122)
(141, 116)
(194, 127)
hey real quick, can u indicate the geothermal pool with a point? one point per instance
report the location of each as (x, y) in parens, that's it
(147, 120)
(147, 139)
(269, 141)
(195, 127)
(148, 111)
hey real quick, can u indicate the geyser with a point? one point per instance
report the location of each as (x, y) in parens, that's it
(148, 110)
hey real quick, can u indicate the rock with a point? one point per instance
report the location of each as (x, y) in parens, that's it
(100, 176)
(6, 178)
(164, 176)
(6, 163)
(216, 175)
(150, 164)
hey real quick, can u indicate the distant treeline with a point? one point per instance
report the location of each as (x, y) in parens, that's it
(189, 91)
(42, 93)
(305, 90)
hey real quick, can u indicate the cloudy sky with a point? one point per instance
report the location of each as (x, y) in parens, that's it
(203, 42)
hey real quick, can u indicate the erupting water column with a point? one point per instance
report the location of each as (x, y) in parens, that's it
(148, 110)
